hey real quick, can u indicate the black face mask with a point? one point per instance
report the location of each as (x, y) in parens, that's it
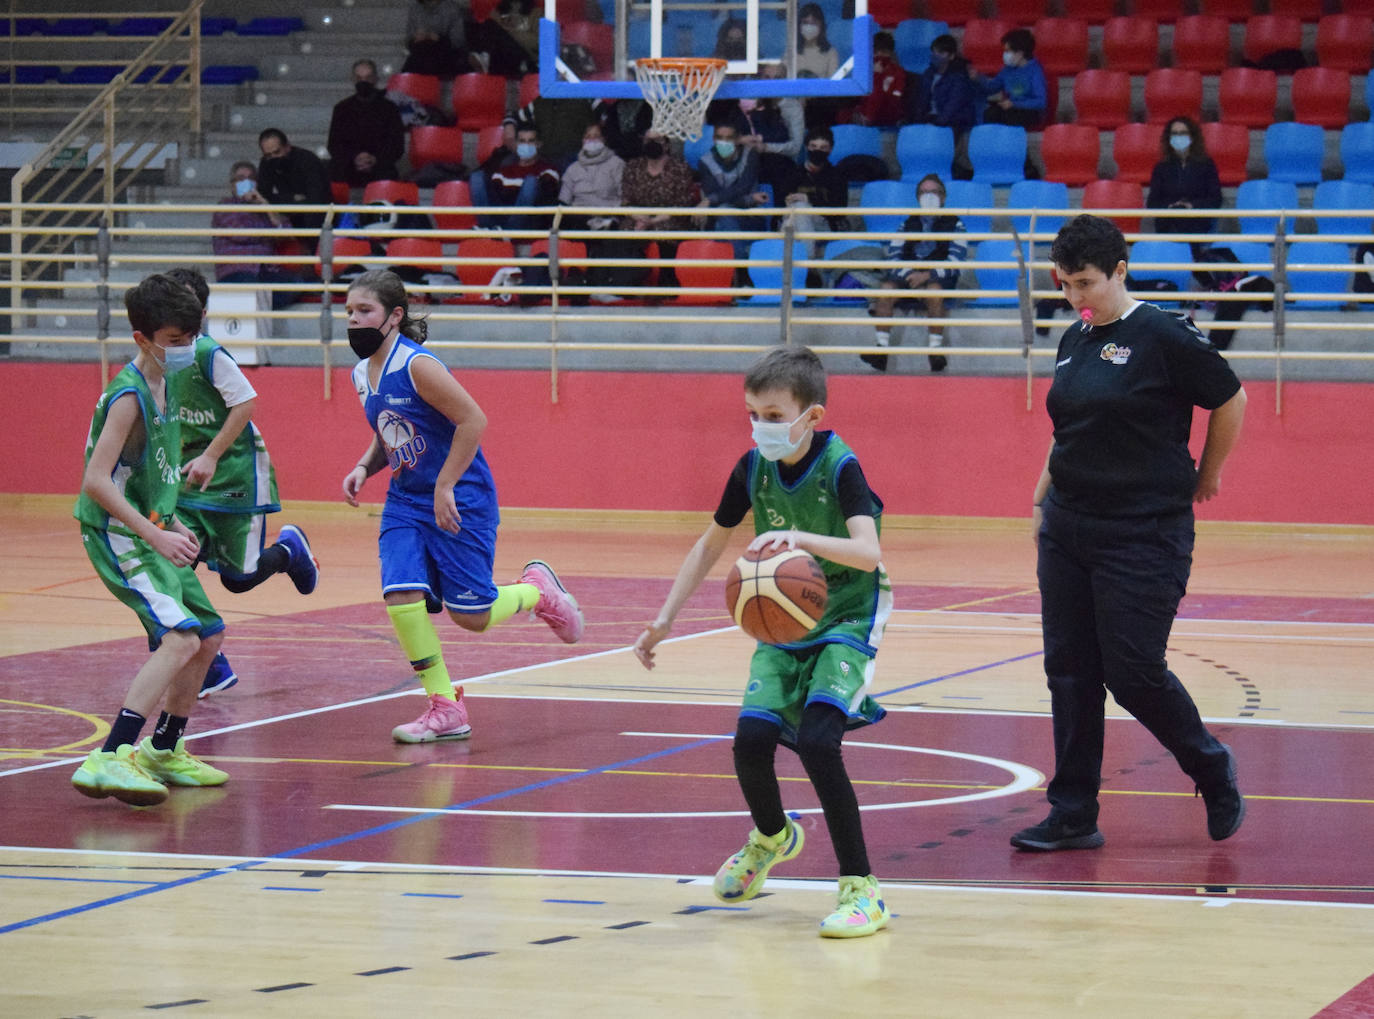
(364, 89)
(653, 150)
(818, 159)
(365, 340)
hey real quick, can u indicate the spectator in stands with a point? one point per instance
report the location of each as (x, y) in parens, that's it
(817, 184)
(366, 136)
(507, 43)
(593, 181)
(885, 105)
(774, 128)
(930, 195)
(817, 58)
(730, 40)
(249, 210)
(525, 180)
(944, 95)
(504, 151)
(292, 176)
(1018, 94)
(658, 179)
(729, 175)
(436, 38)
(1184, 178)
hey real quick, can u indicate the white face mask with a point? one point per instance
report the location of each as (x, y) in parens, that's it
(593, 148)
(774, 438)
(1009, 58)
(811, 31)
(1180, 142)
(178, 359)
(929, 200)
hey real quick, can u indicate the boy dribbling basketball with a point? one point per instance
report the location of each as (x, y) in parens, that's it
(807, 491)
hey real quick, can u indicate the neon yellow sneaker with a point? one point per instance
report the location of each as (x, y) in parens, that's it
(116, 773)
(861, 910)
(177, 767)
(742, 876)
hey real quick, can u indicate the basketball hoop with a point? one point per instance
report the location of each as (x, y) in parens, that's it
(679, 89)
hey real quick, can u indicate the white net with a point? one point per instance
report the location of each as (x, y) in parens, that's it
(679, 90)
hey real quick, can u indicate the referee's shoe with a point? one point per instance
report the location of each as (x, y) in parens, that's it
(1225, 804)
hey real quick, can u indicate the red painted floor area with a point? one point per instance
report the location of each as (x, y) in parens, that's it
(573, 757)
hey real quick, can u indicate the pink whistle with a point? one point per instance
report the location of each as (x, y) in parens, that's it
(1087, 316)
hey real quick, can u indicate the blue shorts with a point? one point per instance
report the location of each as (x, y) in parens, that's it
(453, 570)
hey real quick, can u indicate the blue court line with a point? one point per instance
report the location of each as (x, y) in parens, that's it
(403, 822)
(78, 880)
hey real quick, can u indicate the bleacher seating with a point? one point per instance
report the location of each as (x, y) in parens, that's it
(479, 100)
(1038, 195)
(1267, 34)
(770, 276)
(1248, 95)
(1130, 44)
(997, 152)
(1116, 194)
(1294, 152)
(1345, 42)
(1357, 151)
(1102, 98)
(1135, 149)
(1144, 252)
(971, 194)
(1229, 147)
(1070, 153)
(982, 43)
(923, 149)
(1343, 194)
(1201, 43)
(1261, 194)
(1061, 46)
(1172, 92)
(1321, 95)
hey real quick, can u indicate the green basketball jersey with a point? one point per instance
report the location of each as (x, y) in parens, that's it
(811, 504)
(151, 481)
(244, 481)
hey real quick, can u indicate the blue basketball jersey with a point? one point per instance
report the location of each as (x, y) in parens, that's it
(416, 438)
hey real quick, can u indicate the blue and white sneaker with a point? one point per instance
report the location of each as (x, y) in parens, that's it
(219, 677)
(302, 568)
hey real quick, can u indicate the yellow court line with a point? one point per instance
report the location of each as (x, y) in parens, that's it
(100, 726)
(984, 601)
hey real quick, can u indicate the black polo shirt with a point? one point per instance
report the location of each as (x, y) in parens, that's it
(1122, 406)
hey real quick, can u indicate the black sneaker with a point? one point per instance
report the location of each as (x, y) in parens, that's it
(938, 362)
(878, 361)
(1050, 834)
(1225, 804)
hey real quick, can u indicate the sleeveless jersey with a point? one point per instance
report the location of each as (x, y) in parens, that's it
(150, 483)
(809, 504)
(417, 438)
(244, 481)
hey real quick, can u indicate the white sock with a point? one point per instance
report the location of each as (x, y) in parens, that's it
(882, 336)
(937, 339)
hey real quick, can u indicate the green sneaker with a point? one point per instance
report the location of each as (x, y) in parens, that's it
(861, 910)
(177, 767)
(741, 877)
(116, 773)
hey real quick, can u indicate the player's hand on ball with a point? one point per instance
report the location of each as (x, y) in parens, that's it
(774, 541)
(644, 646)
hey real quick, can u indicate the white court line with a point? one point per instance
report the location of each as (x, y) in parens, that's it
(696, 880)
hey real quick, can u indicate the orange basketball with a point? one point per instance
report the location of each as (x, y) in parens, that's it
(776, 597)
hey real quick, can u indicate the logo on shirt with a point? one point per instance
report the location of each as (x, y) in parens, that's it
(398, 401)
(775, 519)
(403, 446)
(1116, 355)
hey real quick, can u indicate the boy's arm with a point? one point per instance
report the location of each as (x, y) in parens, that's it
(202, 468)
(176, 546)
(438, 388)
(695, 567)
(859, 551)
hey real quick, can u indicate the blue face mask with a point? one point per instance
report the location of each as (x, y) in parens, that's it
(525, 150)
(1180, 142)
(725, 149)
(774, 438)
(178, 359)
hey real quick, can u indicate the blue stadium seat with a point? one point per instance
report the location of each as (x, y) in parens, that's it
(228, 74)
(1357, 150)
(913, 38)
(854, 140)
(29, 26)
(997, 249)
(692, 151)
(1334, 278)
(841, 35)
(78, 27)
(998, 153)
(971, 194)
(1265, 194)
(272, 26)
(1146, 251)
(835, 267)
(923, 149)
(689, 33)
(887, 194)
(217, 26)
(164, 74)
(1294, 152)
(1038, 195)
(770, 249)
(1343, 194)
(36, 74)
(97, 74)
(141, 26)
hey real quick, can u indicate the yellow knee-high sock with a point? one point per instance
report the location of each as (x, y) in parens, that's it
(420, 641)
(511, 599)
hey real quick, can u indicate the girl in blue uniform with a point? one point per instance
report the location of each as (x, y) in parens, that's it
(438, 533)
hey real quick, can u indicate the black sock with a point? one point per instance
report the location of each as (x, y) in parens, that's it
(169, 729)
(127, 726)
(273, 560)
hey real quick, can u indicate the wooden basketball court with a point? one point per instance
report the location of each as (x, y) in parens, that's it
(560, 862)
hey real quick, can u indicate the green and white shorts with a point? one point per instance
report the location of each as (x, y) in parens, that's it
(232, 542)
(782, 683)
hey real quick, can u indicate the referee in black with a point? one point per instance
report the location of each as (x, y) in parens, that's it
(1113, 519)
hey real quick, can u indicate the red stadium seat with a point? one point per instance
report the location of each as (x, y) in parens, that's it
(458, 193)
(424, 87)
(435, 145)
(529, 90)
(397, 192)
(952, 12)
(1269, 33)
(691, 276)
(479, 100)
(1305, 10)
(1231, 10)
(1102, 98)
(348, 251)
(1070, 153)
(596, 37)
(1202, 42)
(1135, 150)
(1130, 44)
(340, 192)
(889, 12)
(1345, 41)
(1321, 95)
(488, 141)
(1061, 46)
(1166, 12)
(982, 45)
(483, 9)
(1229, 147)
(1171, 92)
(1094, 12)
(1017, 12)
(480, 275)
(1248, 95)
(1116, 194)
(423, 253)
(566, 250)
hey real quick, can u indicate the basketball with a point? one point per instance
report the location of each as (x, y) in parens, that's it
(776, 597)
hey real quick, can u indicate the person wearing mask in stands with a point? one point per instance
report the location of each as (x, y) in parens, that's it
(366, 136)
(292, 176)
(1184, 178)
(1018, 94)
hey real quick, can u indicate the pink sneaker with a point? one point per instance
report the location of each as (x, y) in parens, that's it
(556, 607)
(444, 718)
